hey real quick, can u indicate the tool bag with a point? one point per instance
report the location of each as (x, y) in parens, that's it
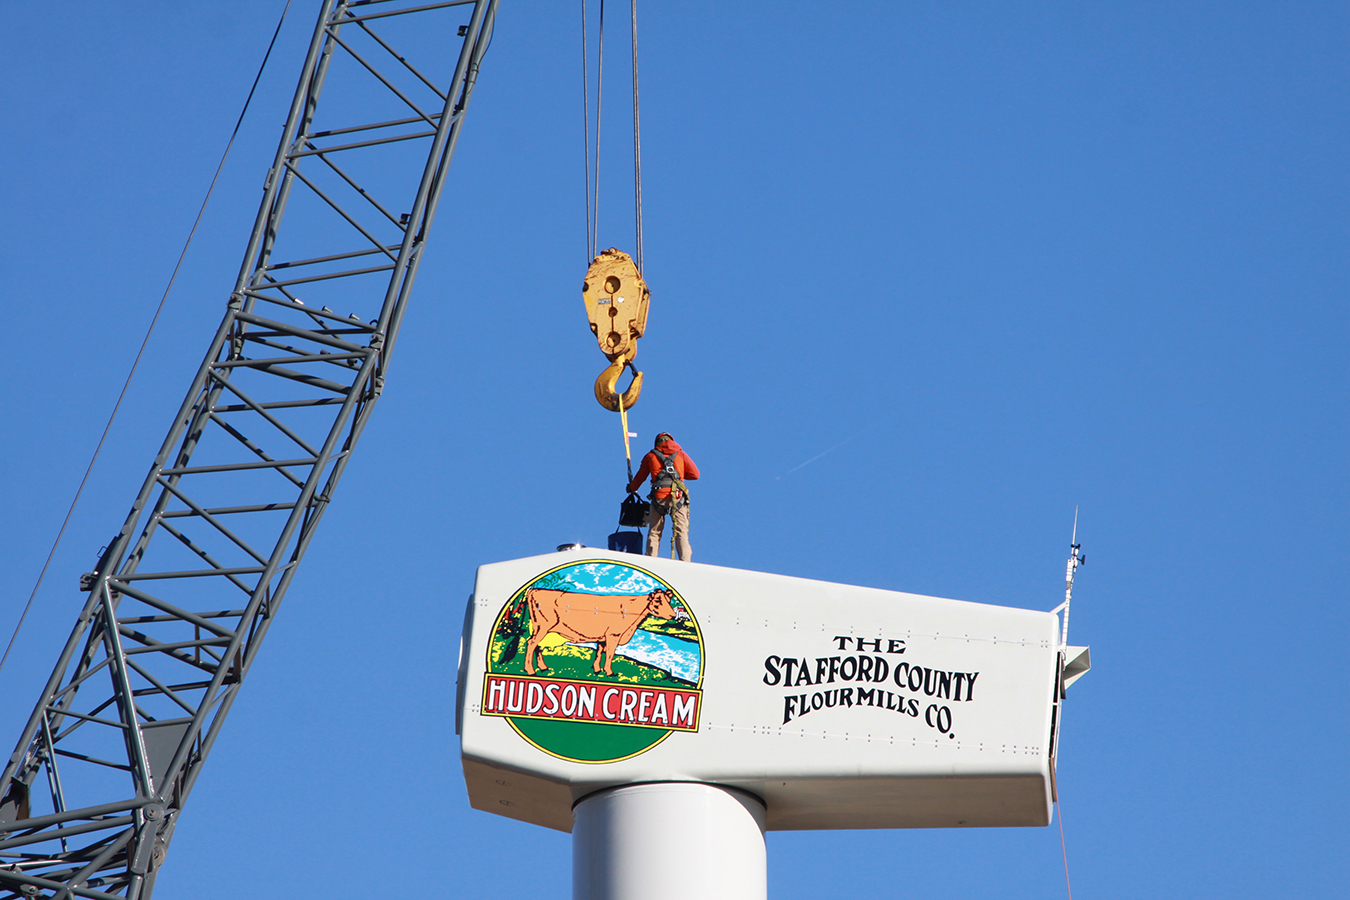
(633, 512)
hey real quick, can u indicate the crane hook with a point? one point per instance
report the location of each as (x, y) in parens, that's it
(606, 386)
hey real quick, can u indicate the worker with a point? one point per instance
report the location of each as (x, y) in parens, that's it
(669, 468)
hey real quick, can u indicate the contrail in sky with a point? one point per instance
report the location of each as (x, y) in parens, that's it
(814, 458)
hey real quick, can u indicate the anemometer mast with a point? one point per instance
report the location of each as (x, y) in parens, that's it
(181, 598)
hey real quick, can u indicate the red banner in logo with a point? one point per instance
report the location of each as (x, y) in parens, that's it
(517, 697)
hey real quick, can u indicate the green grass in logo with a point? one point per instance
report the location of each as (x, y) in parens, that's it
(588, 741)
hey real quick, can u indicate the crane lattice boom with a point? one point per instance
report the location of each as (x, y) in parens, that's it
(184, 593)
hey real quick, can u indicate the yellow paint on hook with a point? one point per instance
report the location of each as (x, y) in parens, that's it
(606, 387)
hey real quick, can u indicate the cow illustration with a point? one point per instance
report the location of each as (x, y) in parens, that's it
(607, 619)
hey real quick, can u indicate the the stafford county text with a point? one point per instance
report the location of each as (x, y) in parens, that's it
(866, 665)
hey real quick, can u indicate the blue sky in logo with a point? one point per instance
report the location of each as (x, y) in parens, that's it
(600, 578)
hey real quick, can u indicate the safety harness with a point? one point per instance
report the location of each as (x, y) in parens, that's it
(669, 477)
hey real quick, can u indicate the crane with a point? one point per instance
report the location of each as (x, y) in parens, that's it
(184, 592)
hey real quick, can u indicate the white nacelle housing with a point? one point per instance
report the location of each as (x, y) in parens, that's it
(837, 706)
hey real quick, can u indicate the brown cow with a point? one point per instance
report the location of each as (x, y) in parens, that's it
(607, 619)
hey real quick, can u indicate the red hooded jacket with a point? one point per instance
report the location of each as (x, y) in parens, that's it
(650, 465)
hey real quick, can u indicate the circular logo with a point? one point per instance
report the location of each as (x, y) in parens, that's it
(594, 662)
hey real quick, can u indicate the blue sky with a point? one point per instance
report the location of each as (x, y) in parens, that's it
(997, 260)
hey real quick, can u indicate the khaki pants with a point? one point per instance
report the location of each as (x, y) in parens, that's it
(656, 522)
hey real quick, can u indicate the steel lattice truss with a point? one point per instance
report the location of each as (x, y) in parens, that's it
(183, 596)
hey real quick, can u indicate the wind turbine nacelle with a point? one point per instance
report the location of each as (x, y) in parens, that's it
(837, 706)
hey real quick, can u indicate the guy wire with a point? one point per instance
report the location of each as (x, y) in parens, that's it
(149, 331)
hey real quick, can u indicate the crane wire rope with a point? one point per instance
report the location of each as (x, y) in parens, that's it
(586, 127)
(592, 176)
(637, 147)
(599, 93)
(144, 342)
(591, 160)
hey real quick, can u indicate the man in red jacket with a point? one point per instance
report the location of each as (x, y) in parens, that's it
(669, 468)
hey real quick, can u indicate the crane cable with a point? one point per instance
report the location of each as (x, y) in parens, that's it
(637, 147)
(149, 331)
(592, 176)
(591, 163)
(637, 214)
(592, 185)
(586, 129)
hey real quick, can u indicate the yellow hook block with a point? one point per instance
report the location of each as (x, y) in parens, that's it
(606, 386)
(616, 300)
